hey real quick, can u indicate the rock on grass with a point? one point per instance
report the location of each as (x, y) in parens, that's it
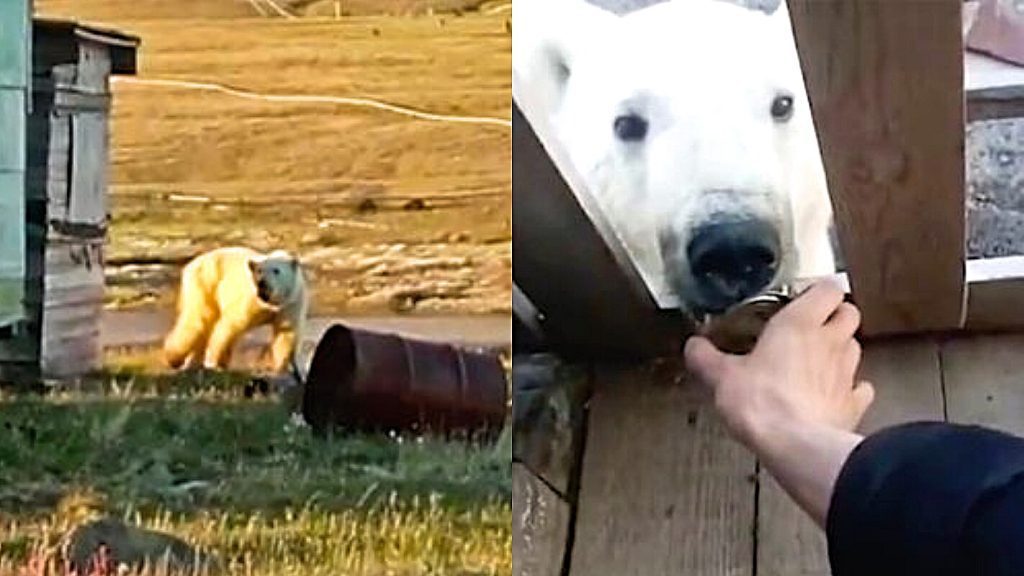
(92, 546)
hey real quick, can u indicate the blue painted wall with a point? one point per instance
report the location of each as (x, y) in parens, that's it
(15, 74)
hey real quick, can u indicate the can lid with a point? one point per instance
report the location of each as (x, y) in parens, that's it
(736, 330)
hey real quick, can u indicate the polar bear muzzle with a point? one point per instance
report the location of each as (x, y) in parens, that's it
(723, 262)
(275, 278)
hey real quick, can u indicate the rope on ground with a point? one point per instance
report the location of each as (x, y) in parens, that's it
(315, 99)
(280, 11)
(498, 9)
(258, 8)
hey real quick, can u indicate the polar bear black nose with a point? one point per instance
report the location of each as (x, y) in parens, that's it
(733, 260)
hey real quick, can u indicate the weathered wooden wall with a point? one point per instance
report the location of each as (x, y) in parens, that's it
(68, 175)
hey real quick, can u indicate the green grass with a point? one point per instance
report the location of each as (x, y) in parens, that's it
(238, 476)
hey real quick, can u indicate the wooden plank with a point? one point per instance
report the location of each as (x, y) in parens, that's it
(70, 343)
(71, 267)
(885, 80)
(93, 67)
(540, 526)
(995, 294)
(69, 364)
(663, 491)
(908, 382)
(908, 385)
(72, 308)
(89, 157)
(984, 378)
(70, 101)
(994, 105)
(58, 166)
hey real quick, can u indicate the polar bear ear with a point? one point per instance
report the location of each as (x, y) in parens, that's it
(547, 38)
(254, 266)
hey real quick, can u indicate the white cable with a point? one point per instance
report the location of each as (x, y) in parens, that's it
(499, 8)
(280, 11)
(316, 99)
(258, 7)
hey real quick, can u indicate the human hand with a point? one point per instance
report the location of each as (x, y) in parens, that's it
(801, 373)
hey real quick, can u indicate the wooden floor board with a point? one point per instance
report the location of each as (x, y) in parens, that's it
(984, 379)
(540, 526)
(664, 491)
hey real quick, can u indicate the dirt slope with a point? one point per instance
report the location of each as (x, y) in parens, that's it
(389, 212)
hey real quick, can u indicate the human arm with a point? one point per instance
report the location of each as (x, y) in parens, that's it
(930, 498)
(922, 498)
(793, 400)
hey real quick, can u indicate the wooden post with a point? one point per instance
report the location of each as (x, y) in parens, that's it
(885, 80)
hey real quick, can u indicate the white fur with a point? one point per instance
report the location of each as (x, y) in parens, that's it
(219, 301)
(704, 73)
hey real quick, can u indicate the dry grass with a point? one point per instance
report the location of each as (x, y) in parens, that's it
(419, 539)
(237, 477)
(115, 10)
(299, 175)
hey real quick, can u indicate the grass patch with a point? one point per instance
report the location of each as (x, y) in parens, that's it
(414, 539)
(197, 459)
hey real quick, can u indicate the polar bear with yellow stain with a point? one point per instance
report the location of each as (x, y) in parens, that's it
(228, 291)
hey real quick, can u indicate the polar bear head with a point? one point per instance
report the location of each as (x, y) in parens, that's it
(689, 123)
(278, 277)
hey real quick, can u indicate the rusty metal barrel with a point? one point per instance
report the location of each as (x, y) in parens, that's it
(369, 381)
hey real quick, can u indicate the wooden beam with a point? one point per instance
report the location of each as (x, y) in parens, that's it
(885, 80)
(995, 103)
(995, 294)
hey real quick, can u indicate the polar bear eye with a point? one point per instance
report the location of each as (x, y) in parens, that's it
(630, 127)
(782, 108)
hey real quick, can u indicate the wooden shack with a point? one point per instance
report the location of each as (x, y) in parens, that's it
(620, 464)
(66, 211)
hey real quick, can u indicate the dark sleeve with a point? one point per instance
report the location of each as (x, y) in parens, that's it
(930, 499)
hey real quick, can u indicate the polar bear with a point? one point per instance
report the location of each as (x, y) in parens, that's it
(691, 128)
(228, 291)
